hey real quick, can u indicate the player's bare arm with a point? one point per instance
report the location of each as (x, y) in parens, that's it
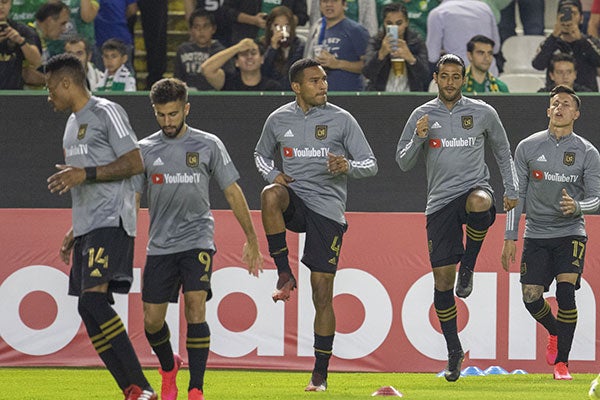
(67, 246)
(251, 253)
(509, 249)
(337, 164)
(68, 176)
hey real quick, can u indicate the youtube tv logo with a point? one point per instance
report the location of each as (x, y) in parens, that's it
(537, 174)
(288, 152)
(158, 179)
(435, 143)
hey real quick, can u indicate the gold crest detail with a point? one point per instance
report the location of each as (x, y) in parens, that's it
(467, 121)
(81, 132)
(523, 269)
(430, 246)
(569, 158)
(320, 132)
(192, 159)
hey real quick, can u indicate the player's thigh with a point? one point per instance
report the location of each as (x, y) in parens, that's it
(161, 279)
(323, 243)
(196, 270)
(536, 261)
(569, 258)
(445, 235)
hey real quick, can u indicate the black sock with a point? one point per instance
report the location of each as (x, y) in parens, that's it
(323, 350)
(197, 344)
(160, 343)
(540, 310)
(96, 304)
(279, 251)
(566, 319)
(445, 308)
(104, 349)
(476, 228)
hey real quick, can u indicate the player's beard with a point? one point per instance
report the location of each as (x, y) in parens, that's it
(450, 97)
(176, 131)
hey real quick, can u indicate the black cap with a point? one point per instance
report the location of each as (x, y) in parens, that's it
(576, 3)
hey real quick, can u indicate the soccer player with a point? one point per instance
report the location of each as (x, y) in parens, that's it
(559, 181)
(451, 132)
(101, 153)
(179, 163)
(321, 145)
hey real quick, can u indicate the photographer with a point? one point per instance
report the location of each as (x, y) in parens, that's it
(18, 43)
(568, 38)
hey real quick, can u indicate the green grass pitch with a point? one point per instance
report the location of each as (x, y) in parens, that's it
(92, 383)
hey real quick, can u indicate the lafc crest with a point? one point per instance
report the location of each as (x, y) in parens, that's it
(320, 132)
(192, 159)
(569, 158)
(467, 121)
(81, 132)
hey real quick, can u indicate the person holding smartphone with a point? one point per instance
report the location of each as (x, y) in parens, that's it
(568, 38)
(18, 43)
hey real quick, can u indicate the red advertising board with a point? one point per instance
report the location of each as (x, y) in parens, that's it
(383, 302)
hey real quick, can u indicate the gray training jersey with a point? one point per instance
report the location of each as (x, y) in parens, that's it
(546, 166)
(454, 149)
(177, 175)
(303, 141)
(97, 135)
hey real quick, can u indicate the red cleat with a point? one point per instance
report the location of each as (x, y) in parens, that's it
(195, 394)
(168, 390)
(134, 392)
(561, 372)
(551, 349)
(285, 284)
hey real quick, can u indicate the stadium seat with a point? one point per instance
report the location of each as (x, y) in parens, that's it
(519, 52)
(523, 83)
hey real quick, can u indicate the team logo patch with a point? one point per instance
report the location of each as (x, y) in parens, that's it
(523, 268)
(467, 121)
(320, 132)
(569, 158)
(192, 159)
(81, 132)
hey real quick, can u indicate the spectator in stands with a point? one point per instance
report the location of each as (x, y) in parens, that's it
(563, 71)
(81, 24)
(18, 44)
(478, 79)
(81, 49)
(223, 33)
(593, 28)
(248, 17)
(531, 13)
(453, 23)
(247, 77)
(339, 44)
(413, 74)
(568, 38)
(362, 11)
(154, 15)
(50, 22)
(116, 77)
(23, 11)
(191, 55)
(283, 46)
(418, 10)
(111, 22)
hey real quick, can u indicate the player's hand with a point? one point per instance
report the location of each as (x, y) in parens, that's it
(283, 179)
(509, 248)
(423, 126)
(337, 164)
(66, 178)
(568, 205)
(252, 258)
(509, 204)
(67, 246)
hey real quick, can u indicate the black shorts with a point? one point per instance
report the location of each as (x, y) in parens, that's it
(544, 259)
(165, 274)
(323, 235)
(445, 230)
(104, 255)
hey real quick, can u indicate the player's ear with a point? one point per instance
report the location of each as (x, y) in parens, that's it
(295, 87)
